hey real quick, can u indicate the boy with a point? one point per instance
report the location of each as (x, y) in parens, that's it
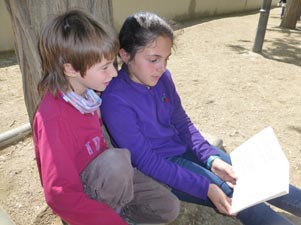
(83, 181)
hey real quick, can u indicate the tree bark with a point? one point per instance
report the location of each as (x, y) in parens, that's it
(28, 16)
(291, 15)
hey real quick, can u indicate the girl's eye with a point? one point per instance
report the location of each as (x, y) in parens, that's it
(153, 60)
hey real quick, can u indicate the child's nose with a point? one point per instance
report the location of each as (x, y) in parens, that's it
(162, 66)
(113, 71)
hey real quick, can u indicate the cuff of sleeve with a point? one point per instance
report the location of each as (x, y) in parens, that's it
(210, 160)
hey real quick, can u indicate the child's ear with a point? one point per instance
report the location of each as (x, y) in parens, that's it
(69, 70)
(125, 57)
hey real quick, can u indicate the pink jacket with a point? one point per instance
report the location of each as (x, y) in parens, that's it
(65, 142)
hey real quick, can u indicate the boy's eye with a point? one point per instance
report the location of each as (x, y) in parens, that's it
(105, 67)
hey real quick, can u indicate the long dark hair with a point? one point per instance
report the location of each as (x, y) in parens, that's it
(140, 29)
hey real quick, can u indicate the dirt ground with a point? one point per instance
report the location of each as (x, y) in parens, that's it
(227, 90)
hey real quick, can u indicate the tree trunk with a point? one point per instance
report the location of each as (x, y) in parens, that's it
(28, 16)
(291, 15)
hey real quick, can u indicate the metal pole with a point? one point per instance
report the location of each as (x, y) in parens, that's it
(14, 135)
(262, 24)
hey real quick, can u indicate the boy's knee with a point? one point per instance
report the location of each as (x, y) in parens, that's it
(117, 157)
(116, 153)
(119, 166)
(112, 165)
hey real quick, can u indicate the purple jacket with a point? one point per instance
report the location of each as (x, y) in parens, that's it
(153, 125)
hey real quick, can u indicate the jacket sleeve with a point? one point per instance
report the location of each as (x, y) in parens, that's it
(61, 182)
(123, 127)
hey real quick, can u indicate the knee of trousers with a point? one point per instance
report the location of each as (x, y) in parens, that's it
(119, 163)
(109, 178)
(113, 164)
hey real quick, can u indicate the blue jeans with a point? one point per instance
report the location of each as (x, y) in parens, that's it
(260, 214)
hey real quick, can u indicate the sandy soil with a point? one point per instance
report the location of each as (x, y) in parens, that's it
(226, 89)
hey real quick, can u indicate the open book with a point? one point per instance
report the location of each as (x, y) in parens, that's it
(262, 170)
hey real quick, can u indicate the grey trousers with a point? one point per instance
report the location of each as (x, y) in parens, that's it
(111, 179)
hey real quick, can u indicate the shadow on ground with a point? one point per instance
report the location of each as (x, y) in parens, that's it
(285, 49)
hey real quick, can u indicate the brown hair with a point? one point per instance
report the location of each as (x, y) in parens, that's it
(76, 38)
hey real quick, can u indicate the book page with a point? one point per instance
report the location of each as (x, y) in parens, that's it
(262, 170)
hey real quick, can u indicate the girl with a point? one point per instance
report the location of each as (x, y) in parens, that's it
(143, 113)
(83, 182)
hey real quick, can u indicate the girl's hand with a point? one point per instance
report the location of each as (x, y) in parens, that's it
(221, 201)
(224, 171)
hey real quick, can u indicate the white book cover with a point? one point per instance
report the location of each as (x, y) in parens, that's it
(262, 170)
